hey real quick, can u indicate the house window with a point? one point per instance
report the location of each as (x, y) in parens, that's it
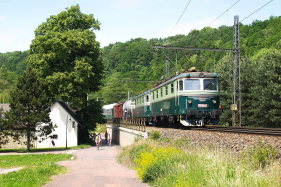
(161, 92)
(172, 88)
(166, 90)
(147, 98)
(153, 95)
(156, 93)
(54, 136)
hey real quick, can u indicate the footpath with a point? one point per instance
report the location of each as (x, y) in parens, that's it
(99, 168)
(94, 167)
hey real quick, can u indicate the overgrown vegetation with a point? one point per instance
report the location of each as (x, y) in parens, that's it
(101, 128)
(154, 135)
(37, 168)
(178, 163)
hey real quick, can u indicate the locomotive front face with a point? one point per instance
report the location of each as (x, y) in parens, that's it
(191, 98)
(198, 101)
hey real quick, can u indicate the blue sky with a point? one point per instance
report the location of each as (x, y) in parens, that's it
(122, 20)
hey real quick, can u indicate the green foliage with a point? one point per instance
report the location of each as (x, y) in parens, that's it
(153, 164)
(183, 142)
(65, 54)
(262, 154)
(29, 109)
(154, 135)
(7, 83)
(196, 166)
(136, 151)
(37, 169)
(14, 61)
(101, 128)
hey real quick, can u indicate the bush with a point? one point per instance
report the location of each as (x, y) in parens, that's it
(153, 164)
(135, 152)
(263, 153)
(155, 135)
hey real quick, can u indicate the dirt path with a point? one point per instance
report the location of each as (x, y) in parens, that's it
(96, 168)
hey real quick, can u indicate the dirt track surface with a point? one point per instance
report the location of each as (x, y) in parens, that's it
(96, 168)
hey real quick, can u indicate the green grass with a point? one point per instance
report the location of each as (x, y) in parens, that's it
(82, 146)
(38, 168)
(178, 163)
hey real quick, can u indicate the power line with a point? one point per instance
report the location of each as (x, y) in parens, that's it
(256, 11)
(179, 18)
(223, 13)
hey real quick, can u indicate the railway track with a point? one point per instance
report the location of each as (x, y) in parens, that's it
(246, 130)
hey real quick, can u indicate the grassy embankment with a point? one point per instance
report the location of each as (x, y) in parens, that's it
(37, 168)
(165, 162)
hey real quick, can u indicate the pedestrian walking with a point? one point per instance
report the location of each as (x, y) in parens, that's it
(97, 142)
(109, 140)
(100, 139)
(105, 136)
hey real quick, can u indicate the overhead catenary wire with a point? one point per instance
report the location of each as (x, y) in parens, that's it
(224, 13)
(179, 18)
(256, 10)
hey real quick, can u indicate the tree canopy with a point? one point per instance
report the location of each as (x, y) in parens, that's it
(65, 54)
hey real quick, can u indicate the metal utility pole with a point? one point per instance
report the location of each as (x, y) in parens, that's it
(167, 69)
(236, 96)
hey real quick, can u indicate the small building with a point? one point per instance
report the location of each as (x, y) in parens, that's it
(66, 133)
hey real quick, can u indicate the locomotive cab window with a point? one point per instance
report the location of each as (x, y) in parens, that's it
(192, 84)
(181, 85)
(210, 84)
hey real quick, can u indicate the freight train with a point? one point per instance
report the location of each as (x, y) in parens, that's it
(191, 98)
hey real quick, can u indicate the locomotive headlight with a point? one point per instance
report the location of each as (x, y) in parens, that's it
(189, 101)
(214, 101)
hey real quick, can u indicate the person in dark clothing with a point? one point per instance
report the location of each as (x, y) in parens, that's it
(105, 136)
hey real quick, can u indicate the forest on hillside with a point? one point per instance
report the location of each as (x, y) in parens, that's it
(134, 66)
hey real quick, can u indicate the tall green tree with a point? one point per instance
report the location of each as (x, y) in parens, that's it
(29, 113)
(65, 54)
(266, 89)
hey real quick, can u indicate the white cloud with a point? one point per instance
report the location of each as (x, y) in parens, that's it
(185, 28)
(3, 18)
(125, 4)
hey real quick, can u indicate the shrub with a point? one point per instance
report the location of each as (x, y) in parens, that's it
(155, 135)
(261, 154)
(135, 152)
(153, 164)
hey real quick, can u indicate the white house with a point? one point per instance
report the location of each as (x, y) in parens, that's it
(66, 133)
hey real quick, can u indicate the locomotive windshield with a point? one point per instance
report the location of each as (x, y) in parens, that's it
(199, 84)
(192, 84)
(210, 84)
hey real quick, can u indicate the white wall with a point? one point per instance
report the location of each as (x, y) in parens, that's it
(58, 116)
